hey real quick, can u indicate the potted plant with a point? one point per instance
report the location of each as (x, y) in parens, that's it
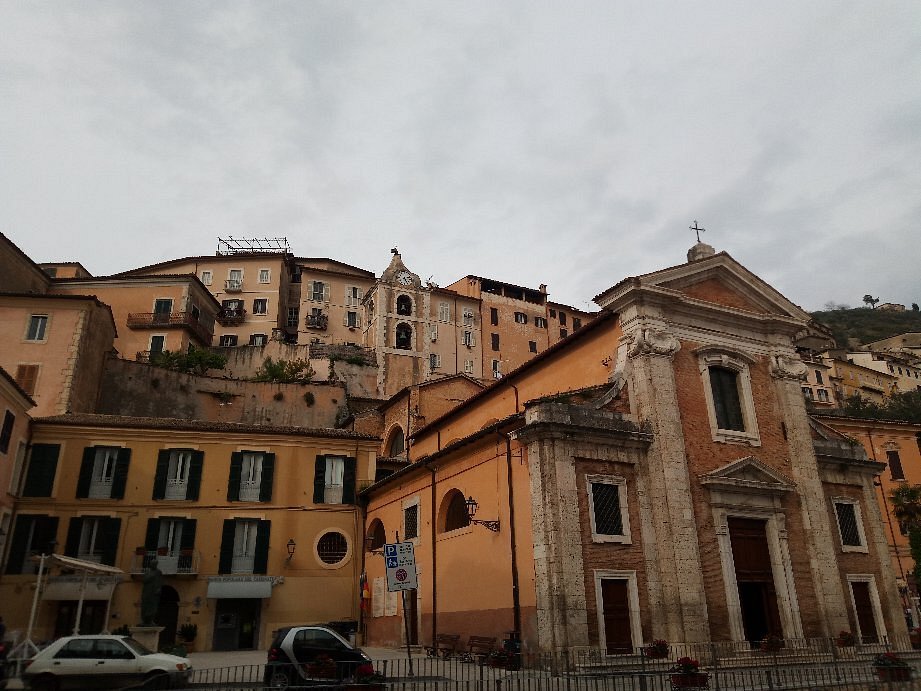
(187, 632)
(771, 644)
(845, 639)
(890, 667)
(368, 678)
(686, 674)
(656, 650)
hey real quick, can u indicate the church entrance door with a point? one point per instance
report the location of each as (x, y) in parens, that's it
(755, 578)
(616, 608)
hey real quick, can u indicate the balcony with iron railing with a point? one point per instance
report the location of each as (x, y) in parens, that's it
(170, 563)
(176, 489)
(100, 488)
(229, 316)
(242, 563)
(199, 327)
(316, 321)
(233, 285)
(249, 490)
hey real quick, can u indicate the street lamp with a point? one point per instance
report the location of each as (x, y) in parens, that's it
(472, 507)
(292, 545)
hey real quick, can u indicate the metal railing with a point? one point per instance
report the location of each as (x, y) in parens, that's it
(316, 321)
(231, 315)
(233, 285)
(170, 563)
(159, 320)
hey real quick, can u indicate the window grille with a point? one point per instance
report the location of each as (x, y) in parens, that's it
(606, 505)
(847, 522)
(411, 522)
(332, 547)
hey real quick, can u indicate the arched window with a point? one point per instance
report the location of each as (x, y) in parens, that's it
(404, 305)
(397, 442)
(454, 511)
(377, 534)
(404, 339)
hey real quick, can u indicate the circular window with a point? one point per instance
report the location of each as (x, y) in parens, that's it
(332, 548)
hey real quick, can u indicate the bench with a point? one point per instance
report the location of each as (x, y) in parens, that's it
(478, 647)
(445, 645)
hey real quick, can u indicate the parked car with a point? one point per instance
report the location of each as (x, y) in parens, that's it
(96, 662)
(305, 655)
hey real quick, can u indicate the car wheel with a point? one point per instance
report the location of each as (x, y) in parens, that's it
(278, 679)
(44, 682)
(156, 680)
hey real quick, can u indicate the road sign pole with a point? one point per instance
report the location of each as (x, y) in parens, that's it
(409, 654)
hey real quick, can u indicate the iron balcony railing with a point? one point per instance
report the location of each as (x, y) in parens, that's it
(170, 563)
(233, 285)
(231, 315)
(163, 320)
(316, 321)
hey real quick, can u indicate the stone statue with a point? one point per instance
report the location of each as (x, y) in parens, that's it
(150, 593)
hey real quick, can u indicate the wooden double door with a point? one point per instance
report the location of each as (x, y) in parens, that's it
(754, 578)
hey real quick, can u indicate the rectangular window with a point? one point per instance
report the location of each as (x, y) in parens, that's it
(468, 339)
(260, 306)
(293, 316)
(106, 458)
(553, 314)
(496, 369)
(495, 341)
(576, 323)
(251, 476)
(411, 522)
(258, 339)
(265, 276)
(434, 361)
(562, 318)
(38, 323)
(818, 378)
(807, 392)
(563, 333)
(31, 535)
(521, 318)
(493, 316)
(334, 480)
(91, 540)
(823, 395)
(433, 332)
(244, 546)
(351, 319)
(227, 340)
(162, 309)
(532, 346)
(156, 345)
(27, 377)
(849, 525)
(468, 316)
(7, 432)
(895, 464)
(468, 366)
(444, 312)
(206, 277)
(607, 499)
(352, 296)
(177, 474)
(728, 407)
(319, 292)
(540, 322)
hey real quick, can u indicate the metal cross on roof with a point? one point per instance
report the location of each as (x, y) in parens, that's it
(697, 230)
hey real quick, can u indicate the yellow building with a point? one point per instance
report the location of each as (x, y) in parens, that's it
(850, 379)
(14, 439)
(253, 527)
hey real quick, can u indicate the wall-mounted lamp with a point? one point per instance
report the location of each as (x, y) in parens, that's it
(472, 506)
(292, 545)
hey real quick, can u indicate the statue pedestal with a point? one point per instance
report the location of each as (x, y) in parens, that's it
(148, 636)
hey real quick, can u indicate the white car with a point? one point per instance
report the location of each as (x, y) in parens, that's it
(97, 662)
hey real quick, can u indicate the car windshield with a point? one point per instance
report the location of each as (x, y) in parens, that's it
(137, 647)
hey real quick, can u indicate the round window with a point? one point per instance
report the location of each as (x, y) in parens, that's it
(332, 548)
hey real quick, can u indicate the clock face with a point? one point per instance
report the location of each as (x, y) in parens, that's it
(404, 278)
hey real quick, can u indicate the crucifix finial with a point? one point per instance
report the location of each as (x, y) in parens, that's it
(396, 251)
(697, 230)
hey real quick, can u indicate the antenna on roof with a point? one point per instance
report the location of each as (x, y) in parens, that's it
(231, 245)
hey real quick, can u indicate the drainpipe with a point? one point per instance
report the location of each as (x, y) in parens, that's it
(516, 600)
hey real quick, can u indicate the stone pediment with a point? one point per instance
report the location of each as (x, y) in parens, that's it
(748, 474)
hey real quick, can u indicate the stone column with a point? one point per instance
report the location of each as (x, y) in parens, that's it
(672, 549)
(788, 372)
(890, 600)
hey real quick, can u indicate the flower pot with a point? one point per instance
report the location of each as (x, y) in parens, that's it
(690, 680)
(893, 673)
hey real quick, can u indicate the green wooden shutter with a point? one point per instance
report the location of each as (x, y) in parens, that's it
(187, 540)
(225, 563)
(120, 477)
(72, 546)
(19, 544)
(44, 533)
(236, 473)
(43, 464)
(195, 468)
(109, 528)
(261, 562)
(152, 539)
(86, 472)
(319, 480)
(348, 481)
(159, 488)
(268, 473)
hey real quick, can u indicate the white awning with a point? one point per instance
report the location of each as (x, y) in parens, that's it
(251, 587)
(69, 587)
(81, 564)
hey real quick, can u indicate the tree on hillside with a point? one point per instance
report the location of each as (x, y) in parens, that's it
(904, 406)
(914, 307)
(870, 300)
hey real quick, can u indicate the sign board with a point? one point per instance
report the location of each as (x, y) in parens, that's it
(400, 561)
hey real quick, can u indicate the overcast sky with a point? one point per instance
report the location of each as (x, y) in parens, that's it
(567, 143)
